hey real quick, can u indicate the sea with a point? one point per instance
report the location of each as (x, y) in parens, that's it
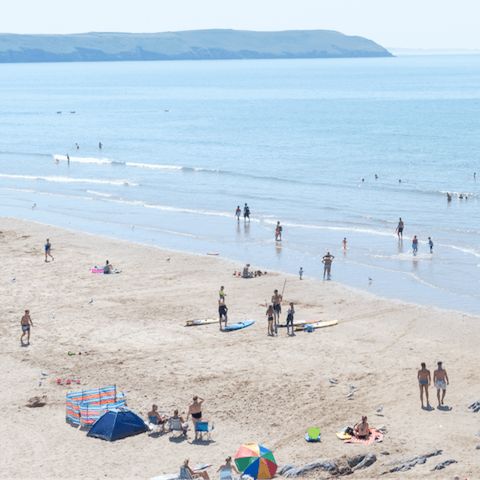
(331, 148)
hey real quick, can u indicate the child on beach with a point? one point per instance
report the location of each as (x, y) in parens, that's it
(300, 272)
(430, 243)
(270, 313)
(238, 212)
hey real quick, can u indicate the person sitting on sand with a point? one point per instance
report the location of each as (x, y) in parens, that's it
(246, 273)
(187, 473)
(424, 380)
(107, 268)
(177, 417)
(195, 410)
(26, 323)
(229, 466)
(361, 430)
(154, 417)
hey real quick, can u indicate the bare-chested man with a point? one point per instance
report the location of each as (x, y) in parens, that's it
(277, 307)
(440, 378)
(26, 323)
(195, 410)
(424, 381)
(327, 262)
(400, 228)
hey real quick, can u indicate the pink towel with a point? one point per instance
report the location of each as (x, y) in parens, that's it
(375, 436)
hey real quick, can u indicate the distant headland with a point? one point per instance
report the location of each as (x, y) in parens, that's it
(187, 45)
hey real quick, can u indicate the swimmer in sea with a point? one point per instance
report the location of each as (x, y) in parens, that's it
(68, 159)
(100, 145)
(376, 176)
(77, 146)
(430, 244)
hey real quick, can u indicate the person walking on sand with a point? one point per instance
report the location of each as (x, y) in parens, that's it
(290, 314)
(278, 232)
(300, 272)
(246, 213)
(277, 305)
(48, 249)
(424, 380)
(195, 410)
(222, 312)
(415, 244)
(26, 323)
(400, 228)
(327, 262)
(345, 243)
(430, 244)
(270, 315)
(238, 212)
(440, 378)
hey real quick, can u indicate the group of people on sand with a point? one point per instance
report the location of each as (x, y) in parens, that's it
(273, 315)
(399, 232)
(440, 379)
(186, 472)
(194, 410)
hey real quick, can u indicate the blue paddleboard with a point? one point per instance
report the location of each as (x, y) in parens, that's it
(239, 325)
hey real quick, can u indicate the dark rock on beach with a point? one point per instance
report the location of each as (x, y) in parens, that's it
(442, 465)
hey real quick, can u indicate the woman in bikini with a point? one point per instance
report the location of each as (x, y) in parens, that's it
(195, 410)
(424, 380)
(270, 313)
(361, 430)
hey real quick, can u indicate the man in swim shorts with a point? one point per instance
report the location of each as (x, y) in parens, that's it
(440, 378)
(48, 249)
(400, 228)
(415, 244)
(222, 312)
(424, 380)
(195, 410)
(277, 307)
(327, 262)
(26, 323)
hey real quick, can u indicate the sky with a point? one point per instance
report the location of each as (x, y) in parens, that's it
(427, 24)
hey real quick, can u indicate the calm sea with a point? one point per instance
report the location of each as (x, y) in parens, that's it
(300, 141)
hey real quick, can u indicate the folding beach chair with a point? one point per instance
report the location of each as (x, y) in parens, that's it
(154, 426)
(175, 425)
(203, 427)
(226, 475)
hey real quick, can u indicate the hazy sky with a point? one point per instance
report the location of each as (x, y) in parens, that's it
(391, 23)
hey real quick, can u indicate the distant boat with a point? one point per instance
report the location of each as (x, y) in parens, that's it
(59, 112)
(72, 112)
(168, 110)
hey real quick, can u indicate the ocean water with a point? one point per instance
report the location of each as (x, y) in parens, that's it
(300, 141)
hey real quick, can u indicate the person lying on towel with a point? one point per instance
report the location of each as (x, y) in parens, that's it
(361, 430)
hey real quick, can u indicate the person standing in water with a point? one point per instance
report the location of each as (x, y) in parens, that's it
(440, 378)
(26, 323)
(278, 232)
(68, 159)
(430, 244)
(415, 244)
(78, 148)
(100, 145)
(246, 213)
(400, 228)
(48, 249)
(424, 380)
(345, 243)
(238, 212)
(327, 262)
(300, 272)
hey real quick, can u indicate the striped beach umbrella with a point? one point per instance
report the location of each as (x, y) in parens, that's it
(257, 461)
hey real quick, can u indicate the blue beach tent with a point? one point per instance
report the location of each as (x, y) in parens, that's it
(117, 423)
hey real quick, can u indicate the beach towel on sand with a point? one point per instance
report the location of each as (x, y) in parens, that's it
(375, 436)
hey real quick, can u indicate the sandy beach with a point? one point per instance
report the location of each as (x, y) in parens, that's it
(256, 388)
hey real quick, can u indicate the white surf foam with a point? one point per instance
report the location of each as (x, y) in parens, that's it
(99, 193)
(98, 161)
(71, 180)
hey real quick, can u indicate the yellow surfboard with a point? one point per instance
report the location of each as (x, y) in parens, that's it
(317, 325)
(204, 321)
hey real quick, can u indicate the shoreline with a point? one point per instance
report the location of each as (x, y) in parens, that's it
(256, 388)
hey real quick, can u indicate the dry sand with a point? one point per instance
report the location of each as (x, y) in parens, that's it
(256, 388)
